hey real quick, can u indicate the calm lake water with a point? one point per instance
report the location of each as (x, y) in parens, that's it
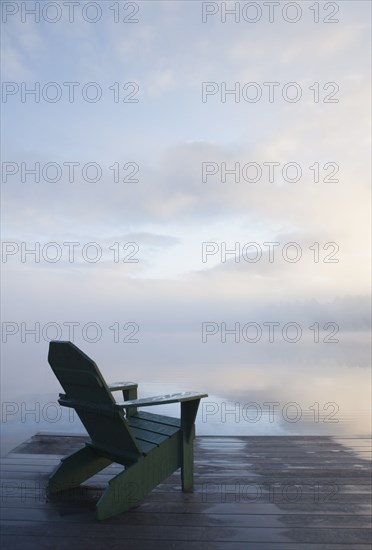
(244, 399)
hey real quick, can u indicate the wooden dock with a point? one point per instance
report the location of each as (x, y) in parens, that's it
(251, 493)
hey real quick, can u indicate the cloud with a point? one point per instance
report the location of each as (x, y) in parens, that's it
(13, 64)
(170, 211)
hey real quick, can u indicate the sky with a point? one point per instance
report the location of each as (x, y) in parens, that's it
(210, 172)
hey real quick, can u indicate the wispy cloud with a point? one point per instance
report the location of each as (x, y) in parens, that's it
(171, 206)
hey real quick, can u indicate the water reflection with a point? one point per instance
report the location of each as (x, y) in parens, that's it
(243, 400)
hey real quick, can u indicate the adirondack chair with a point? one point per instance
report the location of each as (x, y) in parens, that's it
(149, 446)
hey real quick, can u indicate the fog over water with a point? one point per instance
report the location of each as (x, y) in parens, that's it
(195, 238)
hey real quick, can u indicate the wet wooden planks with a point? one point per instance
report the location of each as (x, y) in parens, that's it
(261, 493)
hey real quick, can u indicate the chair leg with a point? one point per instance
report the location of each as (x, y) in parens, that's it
(128, 488)
(189, 410)
(76, 468)
(187, 469)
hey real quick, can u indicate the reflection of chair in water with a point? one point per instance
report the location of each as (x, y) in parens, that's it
(150, 446)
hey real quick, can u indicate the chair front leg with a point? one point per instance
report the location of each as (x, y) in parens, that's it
(189, 411)
(129, 395)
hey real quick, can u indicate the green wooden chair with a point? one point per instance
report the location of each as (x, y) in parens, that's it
(150, 446)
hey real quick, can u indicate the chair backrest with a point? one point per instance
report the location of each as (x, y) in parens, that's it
(89, 394)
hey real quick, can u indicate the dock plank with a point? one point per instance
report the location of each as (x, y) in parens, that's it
(251, 493)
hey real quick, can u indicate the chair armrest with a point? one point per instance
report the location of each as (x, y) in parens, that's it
(119, 386)
(163, 399)
(129, 390)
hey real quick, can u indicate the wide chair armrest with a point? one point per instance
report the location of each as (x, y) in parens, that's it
(189, 401)
(120, 386)
(162, 399)
(129, 390)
